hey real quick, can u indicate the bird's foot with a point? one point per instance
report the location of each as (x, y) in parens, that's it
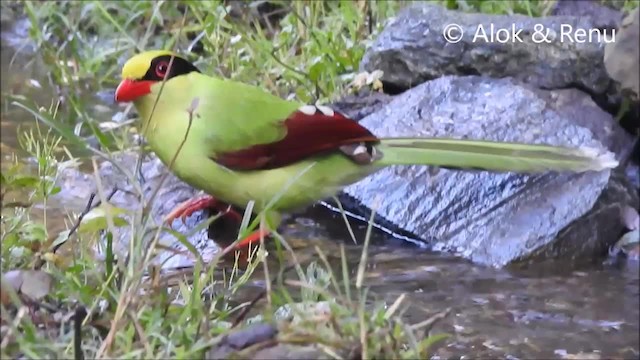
(244, 244)
(252, 238)
(192, 205)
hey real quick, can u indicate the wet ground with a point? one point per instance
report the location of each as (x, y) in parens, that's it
(538, 313)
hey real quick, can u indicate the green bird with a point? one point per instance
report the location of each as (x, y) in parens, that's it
(238, 143)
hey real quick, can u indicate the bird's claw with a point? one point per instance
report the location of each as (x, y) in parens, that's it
(187, 208)
(246, 243)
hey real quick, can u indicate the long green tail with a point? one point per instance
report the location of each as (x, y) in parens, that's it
(491, 156)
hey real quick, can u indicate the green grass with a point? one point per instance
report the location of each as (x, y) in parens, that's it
(310, 53)
(181, 320)
(136, 314)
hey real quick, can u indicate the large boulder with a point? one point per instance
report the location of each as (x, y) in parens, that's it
(412, 49)
(602, 15)
(494, 218)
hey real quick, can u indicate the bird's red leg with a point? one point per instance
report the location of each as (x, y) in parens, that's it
(209, 202)
(252, 238)
(192, 205)
(243, 245)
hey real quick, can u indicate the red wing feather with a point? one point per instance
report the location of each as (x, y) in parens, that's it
(306, 135)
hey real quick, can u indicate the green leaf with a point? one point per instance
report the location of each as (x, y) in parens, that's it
(96, 219)
(11, 240)
(31, 232)
(23, 181)
(317, 69)
(109, 256)
(60, 239)
(105, 141)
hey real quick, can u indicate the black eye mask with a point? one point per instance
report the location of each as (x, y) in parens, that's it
(160, 65)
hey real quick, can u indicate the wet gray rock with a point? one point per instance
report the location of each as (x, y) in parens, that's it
(361, 104)
(241, 339)
(604, 17)
(412, 49)
(238, 345)
(622, 58)
(290, 351)
(495, 218)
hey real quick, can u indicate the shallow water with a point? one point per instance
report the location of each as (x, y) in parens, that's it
(542, 313)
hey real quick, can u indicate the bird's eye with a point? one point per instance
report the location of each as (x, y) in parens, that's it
(161, 69)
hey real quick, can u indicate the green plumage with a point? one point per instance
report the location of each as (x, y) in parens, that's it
(491, 156)
(231, 116)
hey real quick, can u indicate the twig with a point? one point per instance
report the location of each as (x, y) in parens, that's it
(123, 302)
(245, 311)
(78, 317)
(157, 100)
(90, 206)
(125, 297)
(369, 16)
(190, 111)
(301, 73)
(22, 311)
(313, 35)
(430, 322)
(84, 213)
(147, 207)
(139, 330)
(319, 90)
(288, 67)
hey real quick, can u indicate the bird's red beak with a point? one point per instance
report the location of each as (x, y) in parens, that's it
(129, 90)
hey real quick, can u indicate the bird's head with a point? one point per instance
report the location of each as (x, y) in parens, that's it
(148, 68)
